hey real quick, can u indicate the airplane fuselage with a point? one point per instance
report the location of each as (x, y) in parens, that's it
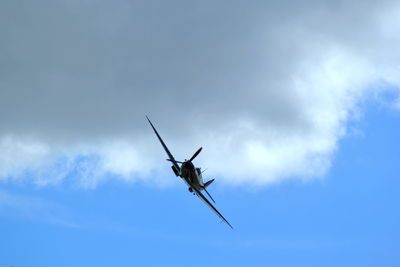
(192, 174)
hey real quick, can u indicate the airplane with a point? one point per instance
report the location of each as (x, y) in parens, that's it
(191, 175)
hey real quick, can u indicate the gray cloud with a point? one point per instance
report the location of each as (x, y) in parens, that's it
(267, 88)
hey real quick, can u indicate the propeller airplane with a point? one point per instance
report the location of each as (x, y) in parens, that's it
(191, 175)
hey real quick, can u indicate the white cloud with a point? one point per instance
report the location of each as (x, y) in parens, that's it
(17, 155)
(266, 89)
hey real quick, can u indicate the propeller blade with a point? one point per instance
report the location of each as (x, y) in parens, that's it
(175, 161)
(195, 154)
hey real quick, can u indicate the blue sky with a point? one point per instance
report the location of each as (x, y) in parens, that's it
(296, 106)
(348, 218)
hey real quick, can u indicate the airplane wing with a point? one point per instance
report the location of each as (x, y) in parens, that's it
(171, 158)
(202, 197)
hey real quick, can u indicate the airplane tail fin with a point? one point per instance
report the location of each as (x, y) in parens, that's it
(208, 183)
(208, 194)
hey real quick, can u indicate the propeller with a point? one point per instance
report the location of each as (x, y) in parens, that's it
(175, 161)
(195, 154)
(192, 158)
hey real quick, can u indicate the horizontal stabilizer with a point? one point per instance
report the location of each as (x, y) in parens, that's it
(208, 183)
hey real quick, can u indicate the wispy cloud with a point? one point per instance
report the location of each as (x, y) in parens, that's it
(35, 209)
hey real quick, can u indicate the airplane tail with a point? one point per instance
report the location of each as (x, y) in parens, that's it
(208, 183)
